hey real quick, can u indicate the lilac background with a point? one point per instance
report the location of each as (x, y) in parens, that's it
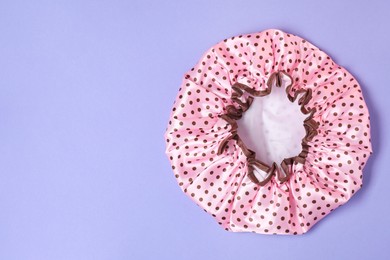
(86, 88)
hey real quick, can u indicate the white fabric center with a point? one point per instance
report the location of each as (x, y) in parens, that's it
(273, 126)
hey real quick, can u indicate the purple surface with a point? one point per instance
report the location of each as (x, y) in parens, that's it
(86, 88)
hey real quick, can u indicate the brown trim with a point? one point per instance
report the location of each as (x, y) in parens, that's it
(233, 113)
(286, 168)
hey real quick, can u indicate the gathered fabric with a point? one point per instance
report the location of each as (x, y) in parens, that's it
(231, 156)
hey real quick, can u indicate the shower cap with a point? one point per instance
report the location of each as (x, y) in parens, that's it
(268, 134)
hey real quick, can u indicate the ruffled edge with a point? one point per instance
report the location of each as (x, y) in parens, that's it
(233, 114)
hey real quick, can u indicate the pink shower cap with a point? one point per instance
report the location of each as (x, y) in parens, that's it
(268, 134)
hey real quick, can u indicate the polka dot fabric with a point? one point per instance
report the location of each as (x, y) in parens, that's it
(219, 182)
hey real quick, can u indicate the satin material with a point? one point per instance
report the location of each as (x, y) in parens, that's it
(219, 183)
